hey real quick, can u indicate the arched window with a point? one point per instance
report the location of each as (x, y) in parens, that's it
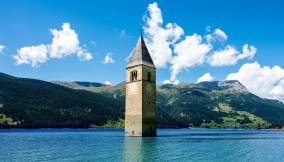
(133, 76)
(149, 76)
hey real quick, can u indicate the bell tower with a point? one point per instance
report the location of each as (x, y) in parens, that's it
(140, 104)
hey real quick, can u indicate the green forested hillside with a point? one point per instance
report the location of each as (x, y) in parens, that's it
(217, 104)
(29, 103)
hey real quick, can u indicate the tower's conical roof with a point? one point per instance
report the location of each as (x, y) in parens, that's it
(140, 55)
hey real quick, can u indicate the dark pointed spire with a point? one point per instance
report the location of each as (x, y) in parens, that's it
(140, 55)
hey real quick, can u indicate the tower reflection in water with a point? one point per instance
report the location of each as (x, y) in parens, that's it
(140, 149)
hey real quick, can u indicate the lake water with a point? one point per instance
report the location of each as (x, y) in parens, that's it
(170, 145)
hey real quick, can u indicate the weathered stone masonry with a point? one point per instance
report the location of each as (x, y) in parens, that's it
(140, 104)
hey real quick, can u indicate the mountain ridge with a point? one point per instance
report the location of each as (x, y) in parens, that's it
(32, 103)
(235, 92)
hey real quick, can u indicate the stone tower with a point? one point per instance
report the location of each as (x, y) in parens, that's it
(140, 105)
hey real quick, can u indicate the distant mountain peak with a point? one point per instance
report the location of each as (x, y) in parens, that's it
(120, 84)
(232, 86)
(79, 84)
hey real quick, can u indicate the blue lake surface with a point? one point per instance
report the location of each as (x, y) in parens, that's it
(170, 145)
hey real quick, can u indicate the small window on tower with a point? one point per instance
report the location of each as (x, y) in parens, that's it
(149, 76)
(133, 76)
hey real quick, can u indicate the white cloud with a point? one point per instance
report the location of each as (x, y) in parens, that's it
(218, 34)
(108, 59)
(230, 56)
(189, 52)
(267, 82)
(278, 91)
(166, 82)
(34, 55)
(168, 46)
(108, 83)
(2, 47)
(84, 55)
(205, 77)
(159, 38)
(227, 56)
(65, 42)
(171, 82)
(248, 52)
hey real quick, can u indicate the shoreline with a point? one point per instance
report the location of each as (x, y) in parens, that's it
(269, 129)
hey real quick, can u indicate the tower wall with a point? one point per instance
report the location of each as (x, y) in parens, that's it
(140, 106)
(149, 102)
(133, 103)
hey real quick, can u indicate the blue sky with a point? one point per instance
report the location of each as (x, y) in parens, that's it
(105, 27)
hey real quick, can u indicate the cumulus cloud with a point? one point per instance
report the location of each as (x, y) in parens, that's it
(264, 81)
(278, 91)
(2, 47)
(84, 55)
(160, 38)
(166, 82)
(230, 56)
(108, 59)
(227, 56)
(168, 46)
(248, 52)
(171, 82)
(108, 83)
(34, 55)
(189, 52)
(218, 34)
(205, 77)
(65, 42)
